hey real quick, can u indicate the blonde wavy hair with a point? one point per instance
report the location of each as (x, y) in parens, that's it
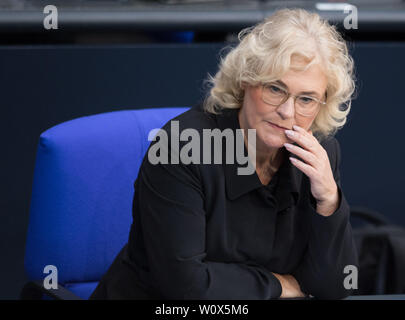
(264, 53)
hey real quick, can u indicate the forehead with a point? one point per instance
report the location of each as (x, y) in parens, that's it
(312, 80)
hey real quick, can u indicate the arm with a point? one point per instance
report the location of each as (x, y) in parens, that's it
(330, 248)
(173, 221)
(290, 287)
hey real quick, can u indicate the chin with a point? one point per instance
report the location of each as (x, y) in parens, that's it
(273, 141)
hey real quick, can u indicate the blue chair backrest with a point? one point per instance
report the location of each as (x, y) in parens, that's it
(81, 204)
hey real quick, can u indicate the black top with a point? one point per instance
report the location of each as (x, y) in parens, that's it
(201, 231)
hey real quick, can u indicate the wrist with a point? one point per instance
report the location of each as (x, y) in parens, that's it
(328, 206)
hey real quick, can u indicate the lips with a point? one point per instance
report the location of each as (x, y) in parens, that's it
(277, 125)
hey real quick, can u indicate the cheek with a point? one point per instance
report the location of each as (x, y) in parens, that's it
(258, 111)
(254, 110)
(305, 123)
(260, 107)
(262, 110)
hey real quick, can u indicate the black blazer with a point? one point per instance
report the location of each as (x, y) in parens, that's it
(201, 231)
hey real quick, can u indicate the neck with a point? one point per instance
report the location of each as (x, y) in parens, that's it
(267, 156)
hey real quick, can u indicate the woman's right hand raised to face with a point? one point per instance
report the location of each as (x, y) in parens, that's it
(290, 286)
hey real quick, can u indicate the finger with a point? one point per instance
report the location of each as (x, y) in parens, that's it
(305, 155)
(302, 138)
(305, 168)
(308, 134)
(304, 132)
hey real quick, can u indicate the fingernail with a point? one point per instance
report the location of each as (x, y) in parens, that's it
(296, 127)
(289, 133)
(288, 145)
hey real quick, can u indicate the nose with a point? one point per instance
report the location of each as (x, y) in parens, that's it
(287, 109)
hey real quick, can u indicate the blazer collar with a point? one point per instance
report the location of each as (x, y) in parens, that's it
(288, 176)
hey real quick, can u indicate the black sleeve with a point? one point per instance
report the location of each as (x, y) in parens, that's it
(330, 248)
(173, 220)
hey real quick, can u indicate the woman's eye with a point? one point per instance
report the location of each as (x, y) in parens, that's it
(275, 89)
(306, 100)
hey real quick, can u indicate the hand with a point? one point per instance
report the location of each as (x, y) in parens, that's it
(316, 166)
(290, 286)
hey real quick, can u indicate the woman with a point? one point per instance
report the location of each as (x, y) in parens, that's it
(201, 230)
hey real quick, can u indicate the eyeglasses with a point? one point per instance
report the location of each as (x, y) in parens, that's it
(274, 95)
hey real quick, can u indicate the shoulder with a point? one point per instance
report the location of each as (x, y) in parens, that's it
(330, 144)
(194, 118)
(167, 152)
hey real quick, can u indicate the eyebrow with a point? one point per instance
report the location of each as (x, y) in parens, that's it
(302, 92)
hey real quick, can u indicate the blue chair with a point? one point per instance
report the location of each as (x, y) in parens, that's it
(81, 205)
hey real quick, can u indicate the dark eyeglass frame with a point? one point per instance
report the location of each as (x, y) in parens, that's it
(288, 95)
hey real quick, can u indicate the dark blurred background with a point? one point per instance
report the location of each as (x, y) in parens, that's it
(111, 55)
